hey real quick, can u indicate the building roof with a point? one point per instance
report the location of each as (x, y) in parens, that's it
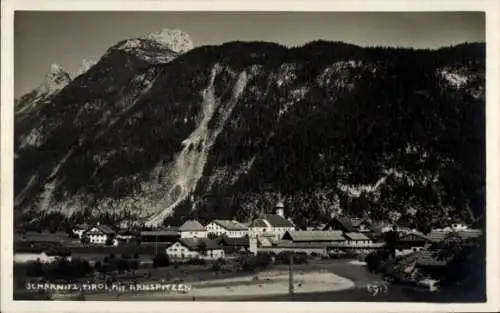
(278, 221)
(81, 226)
(105, 229)
(343, 245)
(235, 242)
(230, 225)
(314, 235)
(357, 222)
(194, 244)
(160, 233)
(343, 221)
(311, 245)
(413, 236)
(259, 223)
(427, 258)
(192, 225)
(356, 236)
(438, 235)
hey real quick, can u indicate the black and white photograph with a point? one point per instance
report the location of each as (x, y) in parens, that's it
(262, 156)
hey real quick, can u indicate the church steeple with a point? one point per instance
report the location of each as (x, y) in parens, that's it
(280, 208)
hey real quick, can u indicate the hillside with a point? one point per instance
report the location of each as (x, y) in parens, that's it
(223, 131)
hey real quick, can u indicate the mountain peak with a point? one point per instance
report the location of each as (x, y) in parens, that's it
(159, 47)
(85, 66)
(175, 39)
(56, 68)
(55, 80)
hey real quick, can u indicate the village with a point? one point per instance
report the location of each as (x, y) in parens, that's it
(221, 242)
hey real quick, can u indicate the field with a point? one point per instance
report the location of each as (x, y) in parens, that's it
(318, 280)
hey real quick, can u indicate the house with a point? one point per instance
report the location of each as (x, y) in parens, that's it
(232, 244)
(44, 237)
(340, 223)
(160, 236)
(190, 248)
(24, 257)
(272, 225)
(410, 243)
(100, 234)
(79, 229)
(313, 236)
(193, 229)
(43, 256)
(426, 261)
(436, 236)
(267, 240)
(125, 236)
(229, 228)
(356, 239)
(362, 225)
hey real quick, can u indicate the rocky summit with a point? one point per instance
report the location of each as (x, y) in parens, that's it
(168, 131)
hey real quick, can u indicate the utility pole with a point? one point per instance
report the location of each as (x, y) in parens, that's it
(290, 275)
(156, 244)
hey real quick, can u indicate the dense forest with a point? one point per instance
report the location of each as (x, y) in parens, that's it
(327, 126)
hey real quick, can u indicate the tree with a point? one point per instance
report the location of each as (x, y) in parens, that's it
(161, 260)
(85, 240)
(34, 269)
(374, 261)
(391, 238)
(122, 265)
(202, 247)
(97, 266)
(109, 241)
(134, 265)
(465, 262)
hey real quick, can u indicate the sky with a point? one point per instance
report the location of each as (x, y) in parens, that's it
(42, 38)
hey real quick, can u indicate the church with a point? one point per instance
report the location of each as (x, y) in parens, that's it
(271, 226)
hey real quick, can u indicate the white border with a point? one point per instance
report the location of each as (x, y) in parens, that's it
(491, 7)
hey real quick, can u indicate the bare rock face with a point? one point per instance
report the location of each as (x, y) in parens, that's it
(174, 39)
(164, 130)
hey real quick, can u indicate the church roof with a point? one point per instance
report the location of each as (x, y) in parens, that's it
(276, 220)
(192, 225)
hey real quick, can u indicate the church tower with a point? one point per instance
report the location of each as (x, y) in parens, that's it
(280, 209)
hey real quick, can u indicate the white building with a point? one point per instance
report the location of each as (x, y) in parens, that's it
(274, 225)
(22, 257)
(190, 248)
(231, 229)
(193, 229)
(99, 234)
(356, 239)
(79, 229)
(42, 257)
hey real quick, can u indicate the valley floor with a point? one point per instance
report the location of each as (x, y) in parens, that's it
(332, 280)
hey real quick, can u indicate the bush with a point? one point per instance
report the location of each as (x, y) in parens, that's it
(108, 268)
(218, 265)
(252, 263)
(98, 265)
(285, 256)
(34, 269)
(122, 265)
(161, 260)
(195, 261)
(134, 265)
